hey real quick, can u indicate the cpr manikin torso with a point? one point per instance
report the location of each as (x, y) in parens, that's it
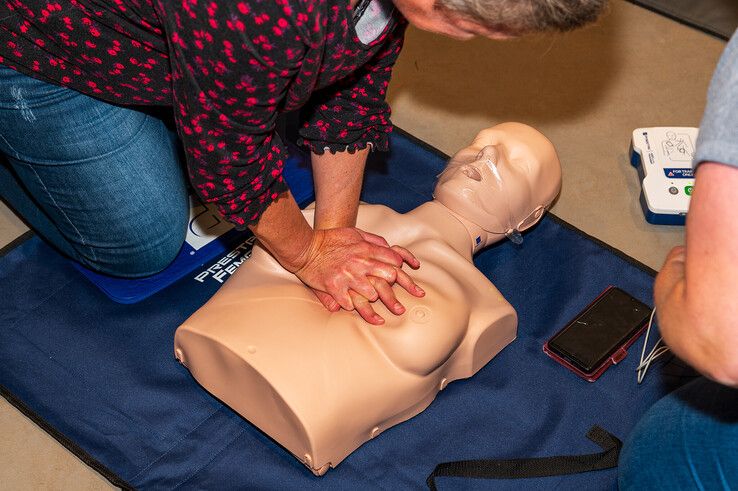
(321, 383)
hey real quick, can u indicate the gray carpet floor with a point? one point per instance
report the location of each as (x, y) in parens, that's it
(719, 17)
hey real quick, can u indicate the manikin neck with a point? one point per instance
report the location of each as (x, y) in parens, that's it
(478, 237)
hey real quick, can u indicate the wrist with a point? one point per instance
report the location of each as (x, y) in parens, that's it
(297, 258)
(284, 232)
(337, 179)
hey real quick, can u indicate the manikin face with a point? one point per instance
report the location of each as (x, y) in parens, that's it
(503, 181)
(424, 15)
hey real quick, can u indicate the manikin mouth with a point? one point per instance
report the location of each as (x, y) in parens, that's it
(484, 169)
(489, 156)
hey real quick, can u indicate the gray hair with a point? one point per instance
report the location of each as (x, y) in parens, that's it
(518, 17)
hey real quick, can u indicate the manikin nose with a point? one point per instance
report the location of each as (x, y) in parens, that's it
(488, 155)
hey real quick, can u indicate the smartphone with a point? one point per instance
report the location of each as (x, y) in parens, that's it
(599, 335)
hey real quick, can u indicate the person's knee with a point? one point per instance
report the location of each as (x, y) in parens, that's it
(675, 441)
(646, 457)
(155, 255)
(139, 249)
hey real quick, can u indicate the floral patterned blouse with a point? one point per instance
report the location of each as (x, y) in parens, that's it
(227, 68)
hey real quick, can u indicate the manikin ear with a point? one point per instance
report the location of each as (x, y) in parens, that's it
(533, 218)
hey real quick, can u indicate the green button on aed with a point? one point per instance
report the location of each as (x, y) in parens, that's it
(688, 190)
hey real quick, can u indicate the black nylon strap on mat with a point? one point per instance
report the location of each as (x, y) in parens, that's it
(535, 467)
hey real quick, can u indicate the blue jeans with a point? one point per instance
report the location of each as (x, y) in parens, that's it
(102, 183)
(687, 440)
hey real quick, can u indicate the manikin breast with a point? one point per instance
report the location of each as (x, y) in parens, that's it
(432, 327)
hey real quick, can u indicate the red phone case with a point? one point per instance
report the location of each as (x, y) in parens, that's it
(614, 359)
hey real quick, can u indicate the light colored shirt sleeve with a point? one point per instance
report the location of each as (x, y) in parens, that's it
(718, 138)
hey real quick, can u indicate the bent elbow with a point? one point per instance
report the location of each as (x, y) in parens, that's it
(711, 339)
(724, 369)
(721, 365)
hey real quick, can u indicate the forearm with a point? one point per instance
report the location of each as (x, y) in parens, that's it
(698, 335)
(338, 178)
(696, 291)
(681, 331)
(284, 232)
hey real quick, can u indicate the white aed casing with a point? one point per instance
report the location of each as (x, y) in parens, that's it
(663, 156)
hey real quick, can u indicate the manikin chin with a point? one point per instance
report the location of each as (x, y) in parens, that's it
(320, 383)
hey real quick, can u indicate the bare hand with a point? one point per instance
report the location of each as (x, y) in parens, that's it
(668, 289)
(386, 295)
(339, 264)
(672, 272)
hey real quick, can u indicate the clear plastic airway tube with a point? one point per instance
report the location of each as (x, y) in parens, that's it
(512, 233)
(484, 168)
(515, 236)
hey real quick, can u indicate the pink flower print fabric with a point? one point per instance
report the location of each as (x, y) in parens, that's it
(227, 69)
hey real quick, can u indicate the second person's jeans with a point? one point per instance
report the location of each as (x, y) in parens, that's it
(102, 183)
(687, 440)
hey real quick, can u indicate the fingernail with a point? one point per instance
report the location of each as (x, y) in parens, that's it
(420, 290)
(399, 308)
(378, 320)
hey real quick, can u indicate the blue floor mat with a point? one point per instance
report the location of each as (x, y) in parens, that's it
(101, 377)
(124, 290)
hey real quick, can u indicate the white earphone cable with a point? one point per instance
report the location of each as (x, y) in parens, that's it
(658, 350)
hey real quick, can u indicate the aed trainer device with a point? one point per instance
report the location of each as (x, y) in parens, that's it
(663, 157)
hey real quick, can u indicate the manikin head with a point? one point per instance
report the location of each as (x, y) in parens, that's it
(502, 183)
